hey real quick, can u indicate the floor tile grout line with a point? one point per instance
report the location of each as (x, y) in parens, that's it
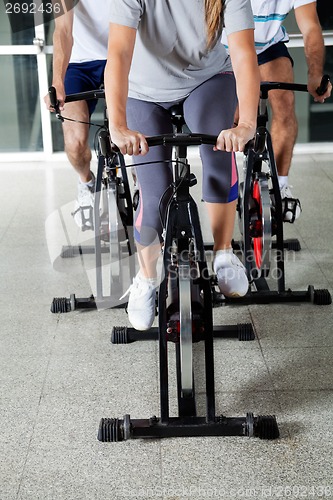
(9, 224)
(37, 412)
(274, 390)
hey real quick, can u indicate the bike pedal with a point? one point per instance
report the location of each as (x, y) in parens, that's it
(290, 206)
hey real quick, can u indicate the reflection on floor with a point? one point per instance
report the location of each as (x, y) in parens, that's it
(60, 374)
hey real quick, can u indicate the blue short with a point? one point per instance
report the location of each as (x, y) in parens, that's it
(81, 77)
(273, 52)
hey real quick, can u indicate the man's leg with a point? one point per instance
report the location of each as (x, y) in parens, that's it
(282, 103)
(79, 154)
(76, 139)
(79, 78)
(283, 129)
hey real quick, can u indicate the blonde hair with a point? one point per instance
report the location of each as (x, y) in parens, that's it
(213, 17)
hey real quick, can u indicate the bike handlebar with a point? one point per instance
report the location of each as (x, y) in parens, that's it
(257, 144)
(265, 87)
(181, 139)
(54, 101)
(80, 96)
(323, 85)
(177, 139)
(86, 96)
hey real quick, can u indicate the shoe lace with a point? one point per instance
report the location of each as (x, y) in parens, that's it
(128, 291)
(234, 261)
(286, 192)
(138, 287)
(85, 190)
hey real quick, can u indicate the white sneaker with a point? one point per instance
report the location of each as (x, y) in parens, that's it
(83, 210)
(230, 273)
(141, 302)
(291, 206)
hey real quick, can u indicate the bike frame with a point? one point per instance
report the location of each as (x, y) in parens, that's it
(182, 234)
(115, 195)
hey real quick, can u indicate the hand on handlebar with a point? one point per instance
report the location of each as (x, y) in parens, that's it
(129, 142)
(60, 96)
(234, 139)
(314, 84)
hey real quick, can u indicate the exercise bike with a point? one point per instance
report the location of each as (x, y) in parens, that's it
(111, 219)
(261, 215)
(185, 304)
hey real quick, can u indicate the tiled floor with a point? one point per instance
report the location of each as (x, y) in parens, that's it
(60, 374)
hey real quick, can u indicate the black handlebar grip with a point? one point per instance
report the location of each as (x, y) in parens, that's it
(55, 103)
(106, 148)
(53, 97)
(260, 140)
(114, 148)
(323, 85)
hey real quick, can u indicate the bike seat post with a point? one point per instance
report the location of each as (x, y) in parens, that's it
(262, 118)
(182, 168)
(105, 117)
(177, 117)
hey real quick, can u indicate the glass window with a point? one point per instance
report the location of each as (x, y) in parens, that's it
(314, 119)
(321, 115)
(290, 23)
(18, 20)
(48, 31)
(20, 125)
(8, 36)
(325, 13)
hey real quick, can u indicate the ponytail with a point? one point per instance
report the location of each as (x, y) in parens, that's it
(213, 17)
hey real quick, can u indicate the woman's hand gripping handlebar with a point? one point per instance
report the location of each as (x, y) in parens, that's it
(192, 140)
(134, 143)
(235, 139)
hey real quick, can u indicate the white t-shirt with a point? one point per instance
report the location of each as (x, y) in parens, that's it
(268, 17)
(90, 30)
(170, 56)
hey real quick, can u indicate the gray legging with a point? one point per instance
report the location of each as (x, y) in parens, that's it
(208, 109)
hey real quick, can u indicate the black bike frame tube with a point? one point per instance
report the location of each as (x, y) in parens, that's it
(162, 318)
(163, 347)
(208, 317)
(246, 212)
(278, 214)
(97, 222)
(186, 406)
(129, 217)
(128, 223)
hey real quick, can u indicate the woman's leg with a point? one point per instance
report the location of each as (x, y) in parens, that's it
(222, 221)
(208, 115)
(209, 109)
(153, 180)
